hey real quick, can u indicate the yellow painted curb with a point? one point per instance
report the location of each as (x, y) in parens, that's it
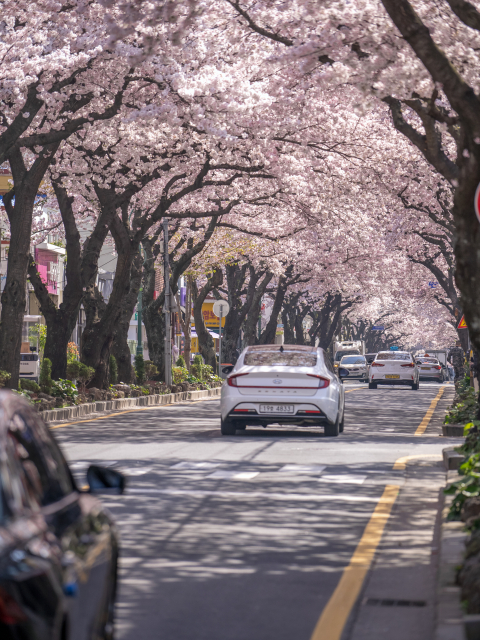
(428, 416)
(335, 615)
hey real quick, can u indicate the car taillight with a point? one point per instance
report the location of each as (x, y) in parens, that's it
(377, 364)
(437, 367)
(232, 380)
(322, 382)
(10, 610)
(409, 365)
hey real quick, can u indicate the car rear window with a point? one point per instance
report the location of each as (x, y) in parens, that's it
(285, 358)
(353, 360)
(428, 360)
(340, 354)
(393, 355)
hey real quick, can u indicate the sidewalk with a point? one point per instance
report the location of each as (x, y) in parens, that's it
(97, 409)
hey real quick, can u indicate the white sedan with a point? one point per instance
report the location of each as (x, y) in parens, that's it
(393, 367)
(282, 384)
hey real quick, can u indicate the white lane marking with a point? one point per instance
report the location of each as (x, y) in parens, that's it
(302, 468)
(136, 471)
(197, 466)
(300, 497)
(341, 479)
(234, 475)
(84, 464)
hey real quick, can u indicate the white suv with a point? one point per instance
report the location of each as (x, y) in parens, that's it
(393, 367)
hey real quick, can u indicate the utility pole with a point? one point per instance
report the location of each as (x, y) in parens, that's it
(167, 306)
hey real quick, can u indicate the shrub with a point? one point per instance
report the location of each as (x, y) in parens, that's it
(46, 375)
(73, 369)
(28, 385)
(465, 407)
(140, 368)
(64, 389)
(4, 377)
(179, 375)
(150, 370)
(113, 370)
(197, 359)
(181, 362)
(85, 374)
(80, 372)
(72, 352)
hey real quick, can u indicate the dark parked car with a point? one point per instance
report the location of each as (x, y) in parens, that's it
(58, 545)
(370, 357)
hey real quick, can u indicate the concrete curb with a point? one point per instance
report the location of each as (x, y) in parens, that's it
(453, 430)
(451, 459)
(449, 614)
(92, 408)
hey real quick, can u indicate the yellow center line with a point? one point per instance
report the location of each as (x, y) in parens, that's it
(357, 389)
(428, 416)
(335, 615)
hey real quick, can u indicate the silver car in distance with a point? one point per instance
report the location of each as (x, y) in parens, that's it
(282, 384)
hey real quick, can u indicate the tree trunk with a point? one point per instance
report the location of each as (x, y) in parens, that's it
(251, 322)
(120, 348)
(236, 283)
(268, 335)
(101, 320)
(20, 217)
(206, 345)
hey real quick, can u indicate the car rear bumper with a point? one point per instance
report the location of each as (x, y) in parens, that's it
(431, 376)
(392, 381)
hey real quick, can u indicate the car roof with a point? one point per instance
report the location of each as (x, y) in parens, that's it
(402, 352)
(277, 347)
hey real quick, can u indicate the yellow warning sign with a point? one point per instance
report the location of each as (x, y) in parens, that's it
(462, 324)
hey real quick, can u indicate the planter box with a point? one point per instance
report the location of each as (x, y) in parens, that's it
(451, 459)
(452, 430)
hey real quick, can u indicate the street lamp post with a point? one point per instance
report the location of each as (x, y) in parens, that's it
(167, 306)
(139, 324)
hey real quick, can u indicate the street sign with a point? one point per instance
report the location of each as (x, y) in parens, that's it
(477, 207)
(378, 327)
(433, 284)
(221, 308)
(307, 322)
(462, 324)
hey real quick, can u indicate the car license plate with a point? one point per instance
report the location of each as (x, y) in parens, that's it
(425, 368)
(392, 375)
(276, 408)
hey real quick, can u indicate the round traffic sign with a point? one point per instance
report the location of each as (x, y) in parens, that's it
(477, 202)
(221, 308)
(307, 322)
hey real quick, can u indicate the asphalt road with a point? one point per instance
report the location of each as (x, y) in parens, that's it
(248, 537)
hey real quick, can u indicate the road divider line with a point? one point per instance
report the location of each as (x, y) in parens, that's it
(336, 613)
(357, 389)
(428, 416)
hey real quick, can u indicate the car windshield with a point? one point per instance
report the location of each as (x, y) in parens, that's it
(353, 360)
(340, 354)
(285, 358)
(393, 355)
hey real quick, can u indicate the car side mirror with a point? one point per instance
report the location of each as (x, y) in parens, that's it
(343, 373)
(228, 369)
(102, 480)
